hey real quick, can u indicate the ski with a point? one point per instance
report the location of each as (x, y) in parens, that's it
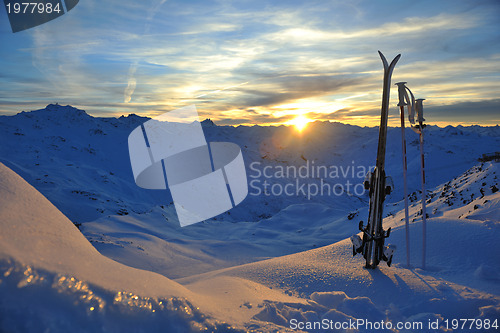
(372, 244)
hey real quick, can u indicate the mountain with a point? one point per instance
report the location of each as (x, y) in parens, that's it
(81, 163)
(207, 123)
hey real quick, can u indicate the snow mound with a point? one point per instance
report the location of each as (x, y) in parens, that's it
(37, 300)
(35, 233)
(339, 289)
(53, 279)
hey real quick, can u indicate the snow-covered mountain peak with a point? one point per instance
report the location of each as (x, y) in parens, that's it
(56, 112)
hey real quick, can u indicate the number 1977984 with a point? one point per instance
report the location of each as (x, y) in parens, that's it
(32, 8)
(471, 324)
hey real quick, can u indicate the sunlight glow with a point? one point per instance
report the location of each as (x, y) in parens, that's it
(300, 122)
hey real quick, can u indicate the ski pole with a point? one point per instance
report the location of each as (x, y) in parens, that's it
(402, 96)
(420, 114)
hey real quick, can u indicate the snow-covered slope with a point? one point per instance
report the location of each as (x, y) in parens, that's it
(463, 231)
(53, 279)
(155, 241)
(77, 161)
(52, 276)
(35, 233)
(461, 279)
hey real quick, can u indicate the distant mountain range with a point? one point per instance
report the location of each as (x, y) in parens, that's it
(81, 163)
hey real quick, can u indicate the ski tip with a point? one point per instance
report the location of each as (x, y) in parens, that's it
(386, 64)
(384, 60)
(394, 61)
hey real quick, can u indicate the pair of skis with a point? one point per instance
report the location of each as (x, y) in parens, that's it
(372, 244)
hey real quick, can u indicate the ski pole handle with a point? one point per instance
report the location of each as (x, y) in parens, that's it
(401, 93)
(420, 110)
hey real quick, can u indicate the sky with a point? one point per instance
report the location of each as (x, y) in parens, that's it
(258, 62)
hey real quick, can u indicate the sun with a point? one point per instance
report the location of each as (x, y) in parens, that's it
(300, 122)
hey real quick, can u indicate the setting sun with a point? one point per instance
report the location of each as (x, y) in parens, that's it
(300, 122)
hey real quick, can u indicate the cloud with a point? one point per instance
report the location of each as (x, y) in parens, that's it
(472, 112)
(289, 88)
(409, 26)
(256, 61)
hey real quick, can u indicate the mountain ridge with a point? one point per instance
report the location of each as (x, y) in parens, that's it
(73, 157)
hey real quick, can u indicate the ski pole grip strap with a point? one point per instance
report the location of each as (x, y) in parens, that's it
(411, 109)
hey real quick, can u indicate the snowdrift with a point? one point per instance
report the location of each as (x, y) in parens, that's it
(35, 233)
(461, 279)
(338, 287)
(53, 279)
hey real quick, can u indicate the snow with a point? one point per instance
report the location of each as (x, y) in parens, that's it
(155, 243)
(52, 278)
(272, 261)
